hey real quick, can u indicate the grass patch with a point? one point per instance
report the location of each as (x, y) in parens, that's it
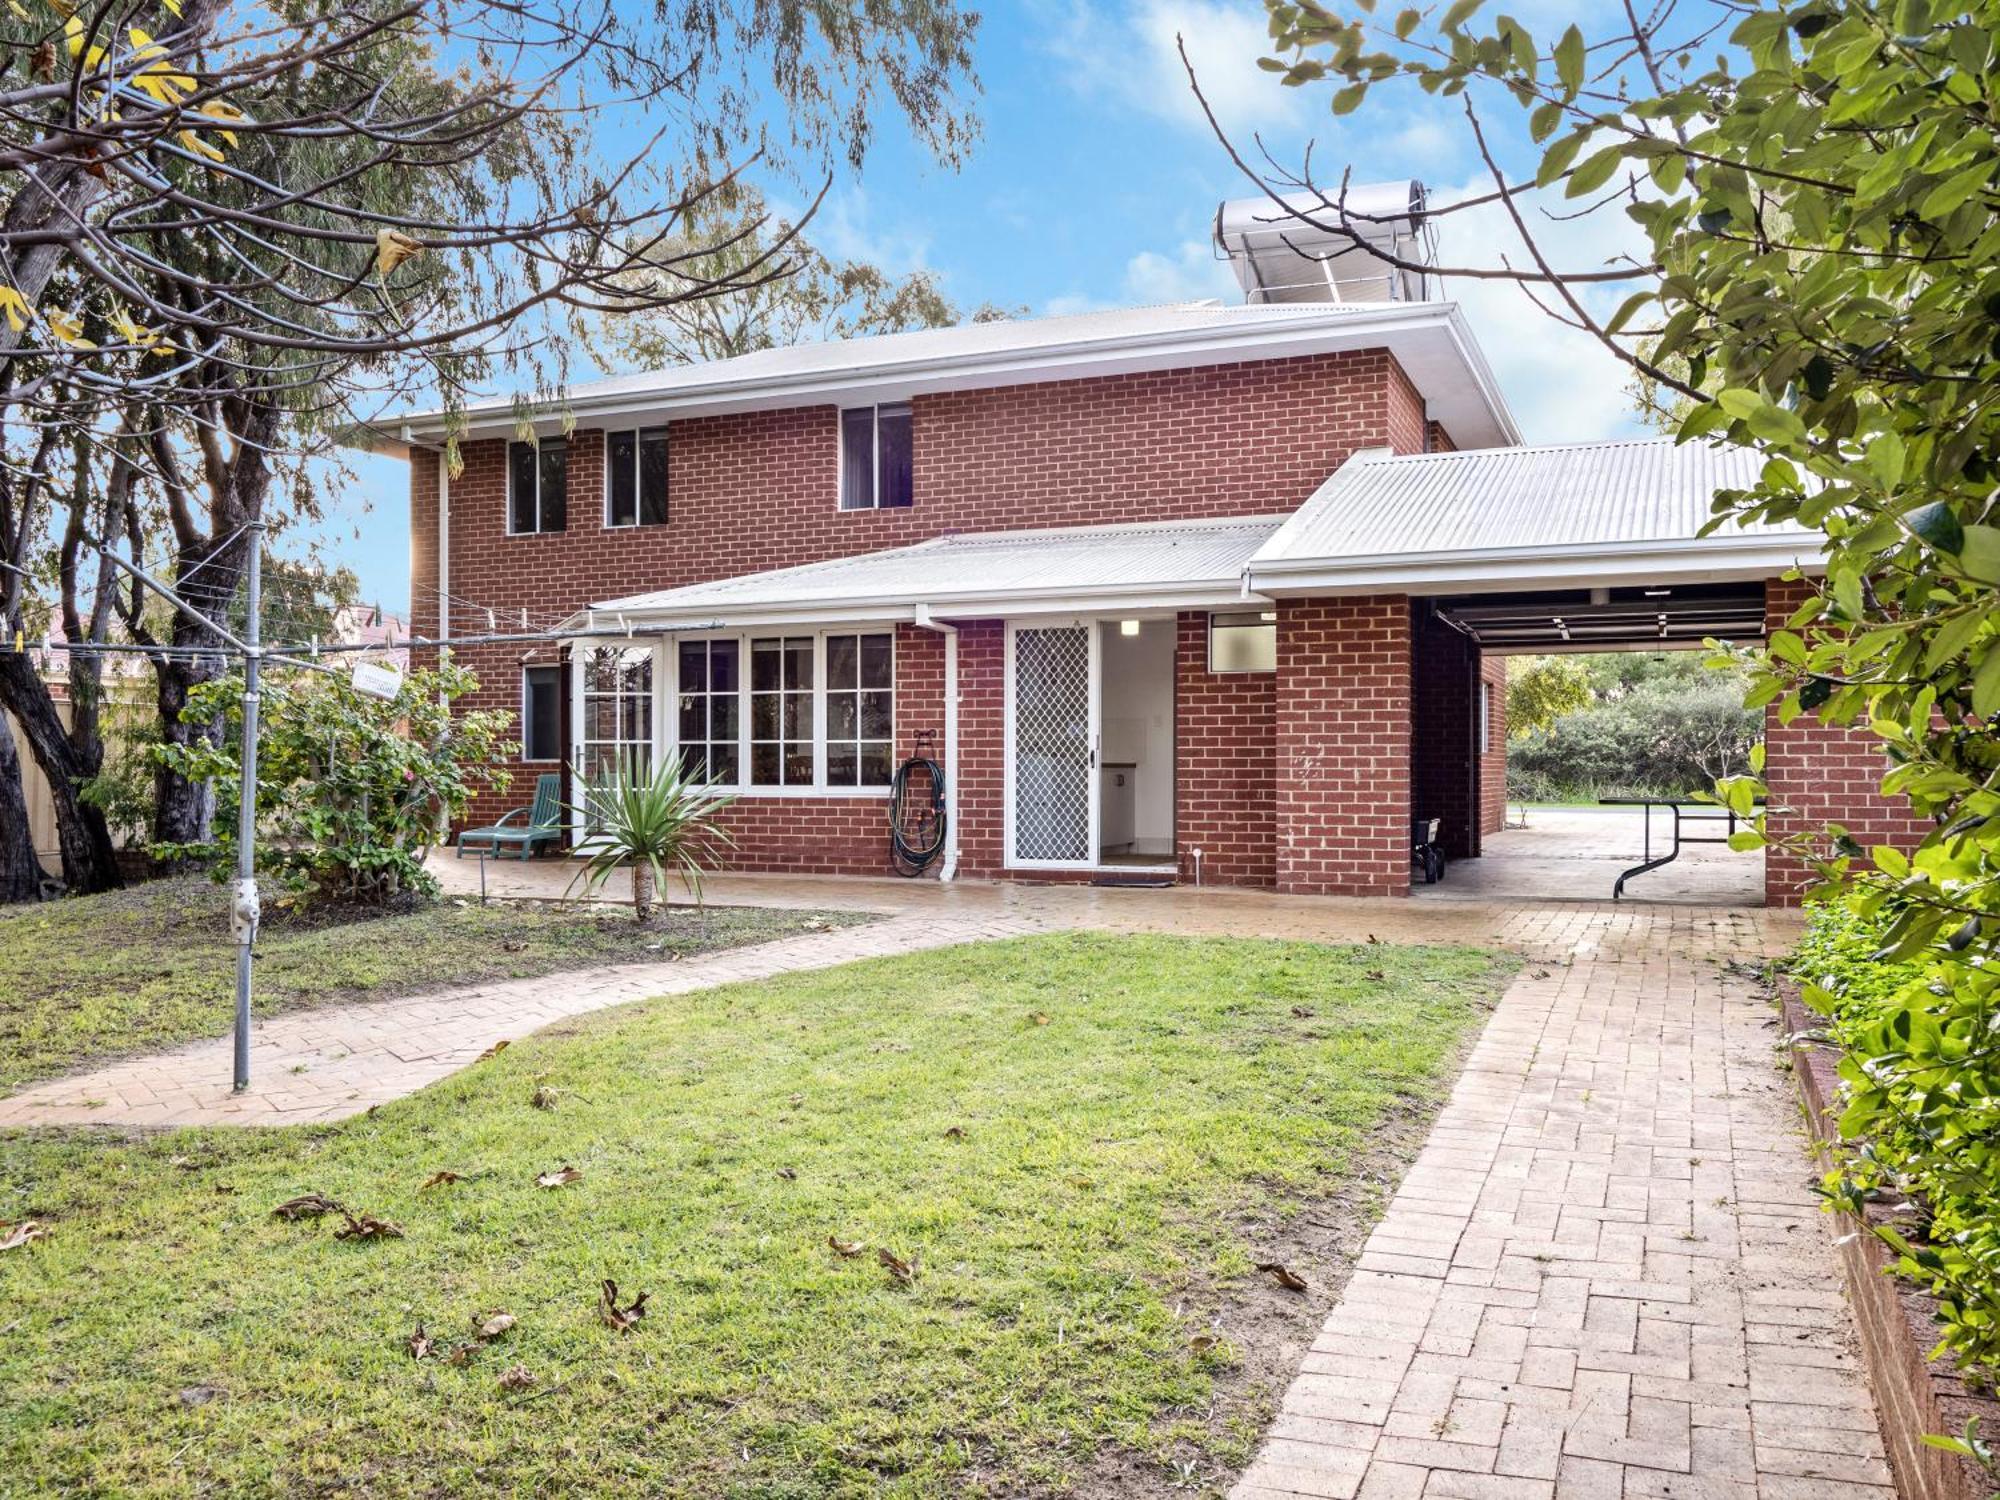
(1139, 1120)
(144, 969)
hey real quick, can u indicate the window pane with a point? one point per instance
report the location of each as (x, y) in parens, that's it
(798, 716)
(841, 661)
(764, 765)
(878, 661)
(1242, 643)
(841, 765)
(520, 486)
(764, 666)
(892, 436)
(799, 764)
(722, 676)
(542, 731)
(722, 717)
(857, 459)
(875, 768)
(722, 763)
(877, 715)
(653, 476)
(842, 722)
(763, 716)
(798, 662)
(694, 718)
(621, 460)
(555, 484)
(693, 665)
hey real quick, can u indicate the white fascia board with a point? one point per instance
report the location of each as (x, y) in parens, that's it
(1429, 339)
(985, 604)
(1513, 569)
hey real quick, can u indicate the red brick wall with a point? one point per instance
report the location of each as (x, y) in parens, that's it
(1343, 743)
(1493, 764)
(1823, 775)
(1224, 769)
(1440, 440)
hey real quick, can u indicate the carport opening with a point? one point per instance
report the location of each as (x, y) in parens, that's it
(1551, 815)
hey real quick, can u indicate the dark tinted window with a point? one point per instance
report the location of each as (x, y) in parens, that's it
(541, 713)
(537, 485)
(892, 455)
(857, 458)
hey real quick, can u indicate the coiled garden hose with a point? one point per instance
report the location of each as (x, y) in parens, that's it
(916, 815)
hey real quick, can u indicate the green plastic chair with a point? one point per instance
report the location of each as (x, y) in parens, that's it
(542, 823)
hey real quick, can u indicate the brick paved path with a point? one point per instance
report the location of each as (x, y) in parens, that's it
(1604, 1277)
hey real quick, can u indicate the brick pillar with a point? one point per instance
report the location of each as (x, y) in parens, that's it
(1822, 775)
(1222, 765)
(1444, 731)
(1343, 737)
(979, 802)
(1493, 764)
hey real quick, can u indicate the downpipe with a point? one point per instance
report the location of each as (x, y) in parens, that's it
(948, 871)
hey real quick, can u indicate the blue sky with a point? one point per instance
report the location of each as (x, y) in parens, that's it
(1095, 182)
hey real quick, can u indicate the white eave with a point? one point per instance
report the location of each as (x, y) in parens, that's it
(1430, 340)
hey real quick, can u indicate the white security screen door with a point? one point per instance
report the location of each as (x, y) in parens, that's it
(1052, 739)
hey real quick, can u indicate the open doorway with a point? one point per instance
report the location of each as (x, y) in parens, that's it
(1136, 767)
(1594, 727)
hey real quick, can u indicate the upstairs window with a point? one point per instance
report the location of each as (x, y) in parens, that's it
(537, 486)
(875, 457)
(635, 477)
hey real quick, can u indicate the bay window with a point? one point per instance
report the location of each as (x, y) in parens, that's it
(801, 712)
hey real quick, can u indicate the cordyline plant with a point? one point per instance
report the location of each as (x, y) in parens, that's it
(657, 825)
(353, 792)
(1817, 187)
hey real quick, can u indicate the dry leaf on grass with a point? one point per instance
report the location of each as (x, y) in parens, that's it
(1201, 1343)
(787, 1174)
(956, 1133)
(904, 1272)
(1040, 1018)
(513, 945)
(367, 1227)
(1377, 975)
(1303, 1012)
(440, 1179)
(1287, 1278)
(519, 1378)
(846, 1249)
(420, 1345)
(619, 1318)
(492, 1052)
(308, 1206)
(14, 1236)
(544, 1097)
(562, 1177)
(491, 1325)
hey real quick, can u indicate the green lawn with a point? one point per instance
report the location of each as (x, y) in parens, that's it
(1083, 1142)
(146, 968)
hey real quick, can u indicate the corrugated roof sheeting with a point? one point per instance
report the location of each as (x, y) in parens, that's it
(1567, 496)
(1081, 559)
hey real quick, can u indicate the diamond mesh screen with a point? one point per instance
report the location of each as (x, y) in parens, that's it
(1052, 744)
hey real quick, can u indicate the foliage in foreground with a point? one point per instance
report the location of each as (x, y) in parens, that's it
(147, 968)
(353, 792)
(1921, 1090)
(1083, 1143)
(1815, 184)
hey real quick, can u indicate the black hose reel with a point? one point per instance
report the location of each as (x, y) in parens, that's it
(917, 815)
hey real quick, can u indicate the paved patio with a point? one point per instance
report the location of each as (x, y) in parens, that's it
(1605, 1276)
(1578, 853)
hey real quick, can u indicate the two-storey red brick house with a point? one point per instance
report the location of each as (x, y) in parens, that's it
(1215, 593)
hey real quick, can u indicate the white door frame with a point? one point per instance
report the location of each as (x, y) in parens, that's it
(1091, 628)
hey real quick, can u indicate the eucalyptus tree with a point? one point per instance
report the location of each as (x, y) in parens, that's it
(229, 232)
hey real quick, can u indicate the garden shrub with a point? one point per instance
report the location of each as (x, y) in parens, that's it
(1920, 1123)
(1666, 737)
(352, 792)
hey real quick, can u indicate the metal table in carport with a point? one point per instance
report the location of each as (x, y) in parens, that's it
(1684, 810)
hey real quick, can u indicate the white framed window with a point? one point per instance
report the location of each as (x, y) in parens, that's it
(1243, 642)
(1485, 716)
(541, 711)
(614, 711)
(635, 478)
(766, 714)
(875, 457)
(537, 486)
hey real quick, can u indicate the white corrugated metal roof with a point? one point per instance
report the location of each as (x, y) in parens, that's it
(1164, 562)
(1627, 497)
(1429, 339)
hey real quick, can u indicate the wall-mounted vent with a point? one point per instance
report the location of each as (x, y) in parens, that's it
(1314, 248)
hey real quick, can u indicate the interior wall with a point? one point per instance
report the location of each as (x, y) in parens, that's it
(1137, 711)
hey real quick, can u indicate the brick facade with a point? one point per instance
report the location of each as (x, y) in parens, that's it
(1225, 773)
(1493, 764)
(1821, 775)
(1343, 746)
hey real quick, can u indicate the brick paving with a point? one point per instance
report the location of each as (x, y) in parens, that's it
(1605, 1275)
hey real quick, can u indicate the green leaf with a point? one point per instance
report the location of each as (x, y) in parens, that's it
(1460, 12)
(1946, 198)
(1937, 525)
(1626, 309)
(1597, 169)
(1556, 160)
(1569, 60)
(1979, 555)
(1347, 100)
(1986, 683)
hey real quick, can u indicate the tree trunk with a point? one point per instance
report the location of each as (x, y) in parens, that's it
(89, 860)
(642, 891)
(21, 873)
(183, 810)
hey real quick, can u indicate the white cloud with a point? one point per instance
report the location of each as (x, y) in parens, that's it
(1189, 274)
(1130, 57)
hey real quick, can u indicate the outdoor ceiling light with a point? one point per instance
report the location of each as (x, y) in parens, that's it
(1128, 627)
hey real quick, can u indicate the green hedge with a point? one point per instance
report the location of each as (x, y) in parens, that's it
(1920, 1125)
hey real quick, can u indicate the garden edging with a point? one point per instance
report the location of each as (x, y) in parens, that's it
(1898, 1324)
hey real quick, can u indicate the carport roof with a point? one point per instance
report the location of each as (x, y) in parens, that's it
(1488, 519)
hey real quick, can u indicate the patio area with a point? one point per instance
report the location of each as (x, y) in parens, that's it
(1578, 853)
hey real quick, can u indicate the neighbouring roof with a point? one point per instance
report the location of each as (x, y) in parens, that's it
(1431, 340)
(1178, 563)
(1585, 513)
